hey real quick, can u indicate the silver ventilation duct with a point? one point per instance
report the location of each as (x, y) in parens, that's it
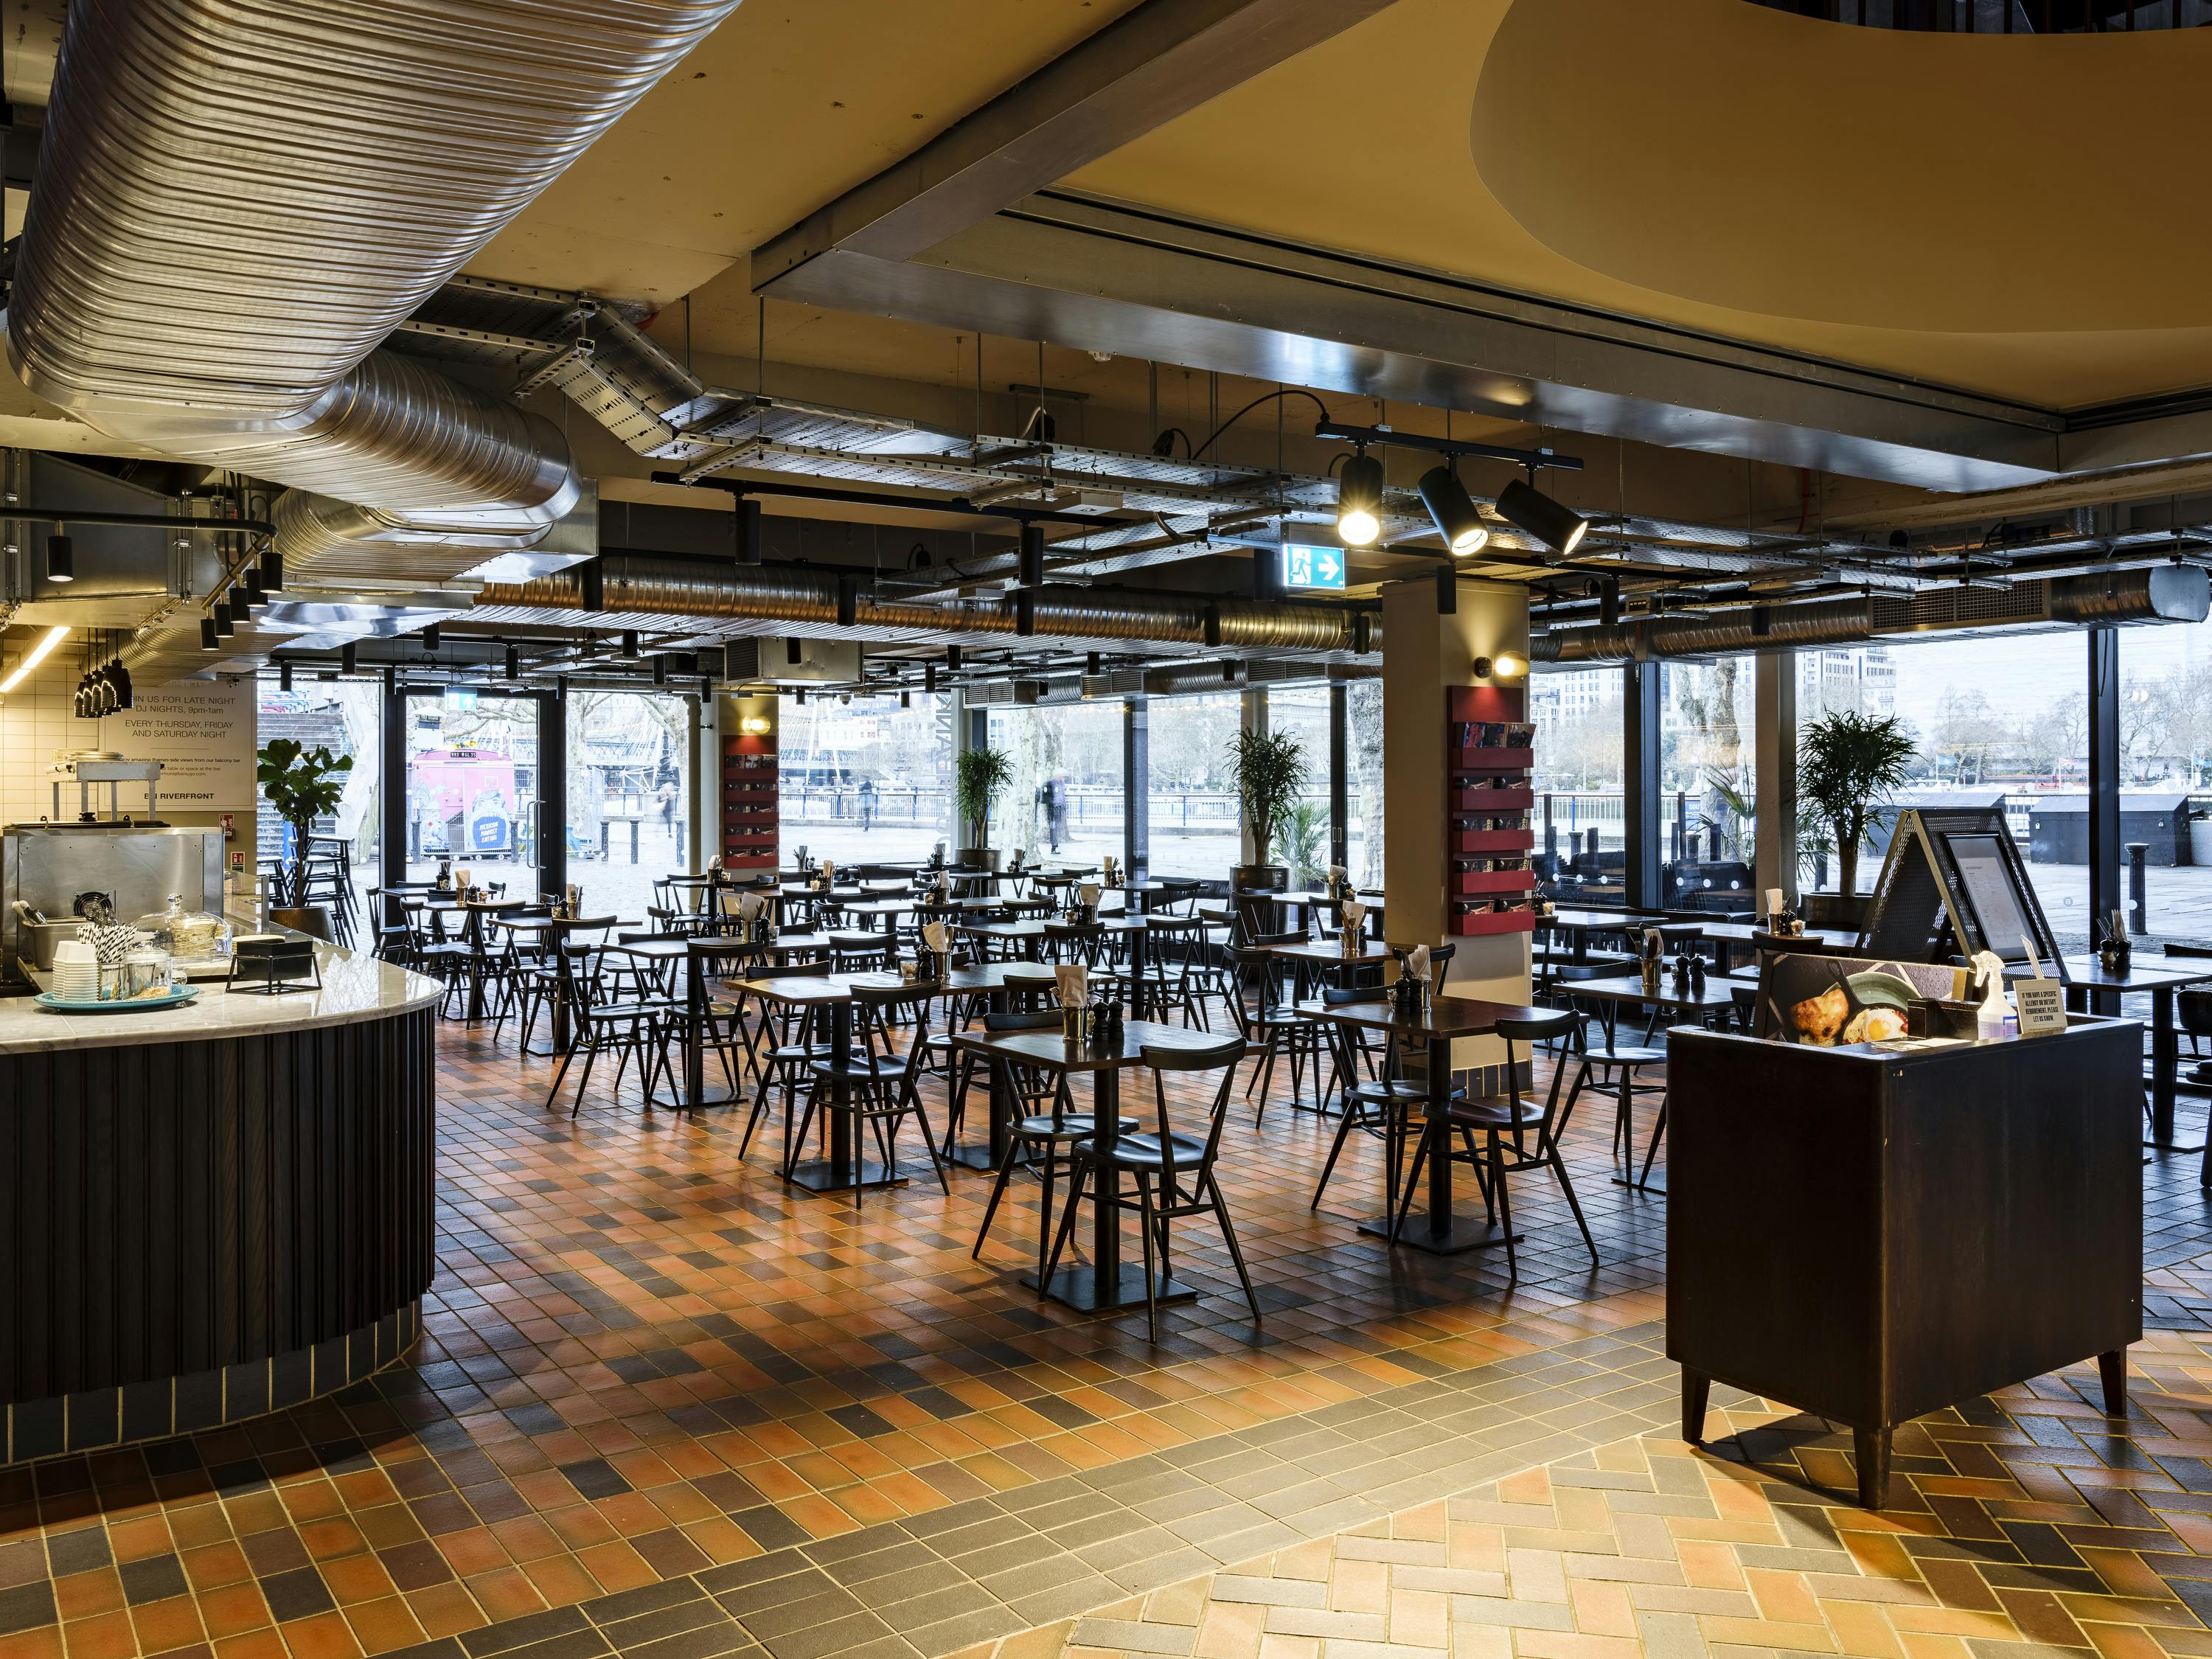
(631, 583)
(2165, 593)
(236, 203)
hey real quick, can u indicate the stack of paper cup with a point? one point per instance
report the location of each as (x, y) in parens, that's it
(76, 971)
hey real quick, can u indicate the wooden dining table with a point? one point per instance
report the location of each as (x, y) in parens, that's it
(1440, 1229)
(846, 1167)
(701, 955)
(1106, 1282)
(550, 934)
(1317, 959)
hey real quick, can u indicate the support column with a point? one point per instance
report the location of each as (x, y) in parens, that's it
(1774, 773)
(1340, 773)
(1425, 651)
(1251, 716)
(704, 818)
(1136, 788)
(552, 791)
(1639, 806)
(392, 861)
(2104, 772)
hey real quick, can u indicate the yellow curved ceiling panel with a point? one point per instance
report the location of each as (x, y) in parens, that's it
(1744, 157)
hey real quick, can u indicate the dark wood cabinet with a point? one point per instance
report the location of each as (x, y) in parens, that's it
(1873, 1235)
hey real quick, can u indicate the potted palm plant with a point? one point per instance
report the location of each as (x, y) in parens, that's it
(1847, 765)
(978, 776)
(1269, 769)
(302, 785)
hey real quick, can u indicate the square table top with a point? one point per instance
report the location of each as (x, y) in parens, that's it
(2163, 974)
(1716, 993)
(802, 990)
(1003, 929)
(994, 977)
(1050, 1050)
(1600, 921)
(1448, 1016)
(1328, 950)
(879, 907)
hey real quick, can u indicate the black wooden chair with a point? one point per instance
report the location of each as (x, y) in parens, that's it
(1510, 1118)
(1173, 1173)
(1043, 1132)
(881, 1084)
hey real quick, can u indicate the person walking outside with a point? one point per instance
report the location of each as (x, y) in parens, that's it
(1056, 796)
(868, 803)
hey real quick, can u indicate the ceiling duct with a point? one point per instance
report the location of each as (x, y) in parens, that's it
(235, 203)
(662, 586)
(2165, 592)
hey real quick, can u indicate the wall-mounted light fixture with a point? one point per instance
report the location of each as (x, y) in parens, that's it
(753, 726)
(1506, 665)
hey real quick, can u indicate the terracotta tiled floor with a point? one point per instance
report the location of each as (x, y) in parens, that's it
(663, 1403)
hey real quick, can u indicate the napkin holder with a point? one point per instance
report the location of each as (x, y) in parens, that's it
(271, 964)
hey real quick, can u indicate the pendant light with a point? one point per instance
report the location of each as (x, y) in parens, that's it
(1457, 520)
(513, 662)
(223, 625)
(208, 641)
(1557, 525)
(1359, 501)
(61, 558)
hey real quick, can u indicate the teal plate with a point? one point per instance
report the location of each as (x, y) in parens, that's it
(178, 995)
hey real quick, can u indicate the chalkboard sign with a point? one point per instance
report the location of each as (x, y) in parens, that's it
(1951, 886)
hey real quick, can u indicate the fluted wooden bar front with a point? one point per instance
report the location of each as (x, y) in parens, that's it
(214, 1212)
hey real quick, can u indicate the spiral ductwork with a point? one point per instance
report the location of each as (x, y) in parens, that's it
(236, 203)
(2165, 593)
(645, 585)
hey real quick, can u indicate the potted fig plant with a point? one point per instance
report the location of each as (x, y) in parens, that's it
(1269, 769)
(978, 776)
(1847, 765)
(302, 785)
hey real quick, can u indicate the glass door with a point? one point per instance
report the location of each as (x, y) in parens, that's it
(472, 787)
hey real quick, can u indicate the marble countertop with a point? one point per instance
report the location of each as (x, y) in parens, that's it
(354, 988)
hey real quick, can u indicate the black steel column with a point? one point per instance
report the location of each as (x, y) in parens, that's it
(1340, 773)
(552, 791)
(1639, 806)
(1136, 788)
(2104, 773)
(392, 787)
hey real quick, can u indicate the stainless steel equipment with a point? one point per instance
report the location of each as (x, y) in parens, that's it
(47, 864)
(89, 769)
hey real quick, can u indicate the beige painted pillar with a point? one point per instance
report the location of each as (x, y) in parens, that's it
(1425, 651)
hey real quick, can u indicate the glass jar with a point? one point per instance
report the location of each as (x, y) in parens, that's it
(146, 972)
(186, 935)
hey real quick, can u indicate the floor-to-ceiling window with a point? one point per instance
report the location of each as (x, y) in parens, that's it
(472, 787)
(2165, 773)
(1362, 711)
(1301, 840)
(1577, 775)
(867, 779)
(346, 717)
(1064, 799)
(1190, 795)
(629, 795)
(1999, 722)
(1707, 794)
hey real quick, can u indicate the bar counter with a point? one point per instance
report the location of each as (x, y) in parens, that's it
(212, 1212)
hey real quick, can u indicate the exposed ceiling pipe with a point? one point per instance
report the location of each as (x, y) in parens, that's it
(661, 587)
(2165, 592)
(352, 155)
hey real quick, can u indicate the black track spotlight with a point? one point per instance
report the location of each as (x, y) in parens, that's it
(1456, 518)
(514, 662)
(799, 697)
(208, 640)
(660, 671)
(793, 653)
(348, 657)
(430, 637)
(391, 679)
(749, 531)
(929, 677)
(952, 658)
(1557, 527)
(560, 687)
(1359, 501)
(906, 699)
(284, 677)
(1092, 662)
(223, 625)
(1447, 590)
(1024, 613)
(61, 559)
(628, 652)
(848, 601)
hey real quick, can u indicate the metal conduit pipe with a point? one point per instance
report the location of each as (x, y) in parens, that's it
(693, 587)
(2167, 592)
(353, 153)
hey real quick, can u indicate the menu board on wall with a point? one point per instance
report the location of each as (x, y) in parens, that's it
(202, 732)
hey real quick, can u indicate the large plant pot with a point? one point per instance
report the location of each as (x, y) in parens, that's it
(314, 920)
(978, 858)
(1841, 910)
(1258, 878)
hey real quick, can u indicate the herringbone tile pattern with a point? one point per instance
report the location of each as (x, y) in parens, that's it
(2024, 1524)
